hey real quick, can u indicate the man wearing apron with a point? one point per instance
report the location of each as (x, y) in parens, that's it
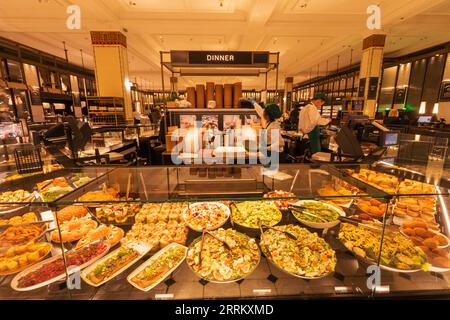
(310, 121)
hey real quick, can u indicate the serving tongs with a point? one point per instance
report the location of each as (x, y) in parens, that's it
(231, 212)
(218, 239)
(302, 210)
(263, 226)
(378, 229)
(287, 233)
(204, 232)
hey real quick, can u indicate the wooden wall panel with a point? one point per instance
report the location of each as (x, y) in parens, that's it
(237, 94)
(219, 95)
(200, 90)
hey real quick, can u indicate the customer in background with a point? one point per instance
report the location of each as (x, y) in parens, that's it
(310, 121)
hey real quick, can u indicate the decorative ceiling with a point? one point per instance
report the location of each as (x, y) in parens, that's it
(309, 34)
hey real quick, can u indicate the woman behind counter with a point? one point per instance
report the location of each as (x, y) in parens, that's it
(270, 115)
(310, 121)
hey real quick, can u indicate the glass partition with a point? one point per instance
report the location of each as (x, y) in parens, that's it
(306, 231)
(387, 88)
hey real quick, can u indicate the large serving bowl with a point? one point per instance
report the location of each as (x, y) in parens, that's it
(318, 225)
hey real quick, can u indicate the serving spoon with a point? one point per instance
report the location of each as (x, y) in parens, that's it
(204, 232)
(287, 233)
(295, 208)
(218, 239)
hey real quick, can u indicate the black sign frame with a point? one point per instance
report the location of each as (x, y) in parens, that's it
(372, 91)
(220, 58)
(362, 87)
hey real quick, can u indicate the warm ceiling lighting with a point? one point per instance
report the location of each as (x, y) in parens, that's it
(422, 109)
(128, 84)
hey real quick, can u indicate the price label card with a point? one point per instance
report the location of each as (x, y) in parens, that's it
(262, 292)
(343, 290)
(382, 289)
(164, 296)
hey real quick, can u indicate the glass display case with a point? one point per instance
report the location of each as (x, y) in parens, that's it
(218, 232)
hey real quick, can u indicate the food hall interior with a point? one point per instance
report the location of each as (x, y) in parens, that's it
(133, 162)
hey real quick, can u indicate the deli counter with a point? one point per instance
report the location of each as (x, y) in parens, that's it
(221, 232)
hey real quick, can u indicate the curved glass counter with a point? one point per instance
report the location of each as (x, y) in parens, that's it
(354, 231)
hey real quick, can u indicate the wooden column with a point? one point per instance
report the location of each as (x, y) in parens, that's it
(219, 95)
(111, 67)
(191, 96)
(228, 95)
(237, 94)
(370, 72)
(200, 90)
(209, 91)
